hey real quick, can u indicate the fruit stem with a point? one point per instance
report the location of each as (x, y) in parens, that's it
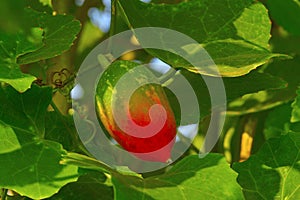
(165, 78)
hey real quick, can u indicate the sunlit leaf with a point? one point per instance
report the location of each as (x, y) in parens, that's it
(274, 172)
(234, 33)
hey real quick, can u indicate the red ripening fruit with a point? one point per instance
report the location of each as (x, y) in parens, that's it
(153, 143)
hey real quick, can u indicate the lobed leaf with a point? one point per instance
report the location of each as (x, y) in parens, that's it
(59, 33)
(13, 46)
(88, 186)
(274, 172)
(278, 121)
(191, 178)
(34, 169)
(47, 36)
(30, 165)
(234, 33)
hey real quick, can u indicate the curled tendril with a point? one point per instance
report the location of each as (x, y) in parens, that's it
(63, 81)
(61, 78)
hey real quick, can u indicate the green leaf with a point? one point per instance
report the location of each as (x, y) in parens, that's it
(191, 178)
(274, 172)
(9, 142)
(25, 111)
(34, 170)
(85, 162)
(59, 33)
(29, 164)
(284, 42)
(48, 37)
(89, 163)
(46, 2)
(235, 87)
(287, 70)
(251, 83)
(88, 186)
(286, 14)
(13, 46)
(39, 5)
(278, 121)
(90, 36)
(254, 18)
(236, 57)
(61, 129)
(235, 33)
(167, 1)
(295, 127)
(296, 108)
(12, 75)
(206, 23)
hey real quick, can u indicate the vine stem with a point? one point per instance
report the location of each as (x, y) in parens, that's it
(4, 194)
(167, 77)
(113, 23)
(75, 139)
(55, 108)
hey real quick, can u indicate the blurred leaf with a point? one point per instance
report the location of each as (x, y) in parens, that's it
(167, 1)
(11, 15)
(31, 165)
(15, 197)
(235, 33)
(278, 121)
(46, 2)
(193, 177)
(90, 36)
(286, 14)
(295, 127)
(49, 36)
(235, 87)
(88, 186)
(59, 33)
(284, 42)
(40, 5)
(12, 47)
(251, 83)
(230, 139)
(287, 70)
(241, 136)
(274, 172)
(296, 108)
